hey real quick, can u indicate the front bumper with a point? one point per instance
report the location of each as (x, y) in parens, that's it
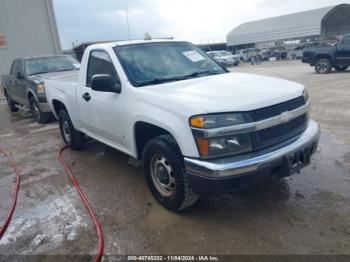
(210, 176)
(44, 107)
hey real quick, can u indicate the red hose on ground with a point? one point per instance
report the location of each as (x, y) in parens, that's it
(14, 196)
(86, 203)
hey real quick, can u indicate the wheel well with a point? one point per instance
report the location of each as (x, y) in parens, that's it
(322, 57)
(143, 133)
(58, 106)
(30, 95)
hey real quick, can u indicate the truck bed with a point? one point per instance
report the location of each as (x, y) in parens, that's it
(63, 88)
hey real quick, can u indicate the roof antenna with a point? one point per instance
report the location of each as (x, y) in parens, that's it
(127, 21)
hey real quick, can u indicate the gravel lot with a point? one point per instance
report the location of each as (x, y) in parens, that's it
(308, 213)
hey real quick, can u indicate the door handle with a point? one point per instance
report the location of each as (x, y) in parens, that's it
(86, 96)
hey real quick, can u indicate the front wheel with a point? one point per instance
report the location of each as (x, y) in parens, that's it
(11, 104)
(341, 68)
(72, 137)
(40, 117)
(165, 174)
(323, 66)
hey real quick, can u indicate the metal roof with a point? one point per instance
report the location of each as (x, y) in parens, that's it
(302, 24)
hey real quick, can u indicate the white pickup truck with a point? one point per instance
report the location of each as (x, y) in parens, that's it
(197, 128)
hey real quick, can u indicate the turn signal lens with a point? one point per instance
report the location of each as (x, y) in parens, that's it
(197, 121)
(203, 147)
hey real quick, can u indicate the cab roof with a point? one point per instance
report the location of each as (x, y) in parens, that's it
(132, 42)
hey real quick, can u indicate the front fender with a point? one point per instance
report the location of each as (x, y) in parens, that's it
(30, 92)
(322, 55)
(176, 124)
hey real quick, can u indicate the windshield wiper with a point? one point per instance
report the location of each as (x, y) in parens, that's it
(38, 73)
(198, 73)
(158, 81)
(65, 70)
(171, 79)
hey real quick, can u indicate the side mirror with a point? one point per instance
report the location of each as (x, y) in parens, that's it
(105, 83)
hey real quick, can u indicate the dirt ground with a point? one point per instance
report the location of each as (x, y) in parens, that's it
(308, 213)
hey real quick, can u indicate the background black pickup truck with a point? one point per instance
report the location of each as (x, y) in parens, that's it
(24, 86)
(325, 58)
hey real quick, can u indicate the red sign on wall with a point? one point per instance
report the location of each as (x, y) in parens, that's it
(2, 41)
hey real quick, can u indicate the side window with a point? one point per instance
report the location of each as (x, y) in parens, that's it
(20, 66)
(14, 67)
(100, 63)
(346, 41)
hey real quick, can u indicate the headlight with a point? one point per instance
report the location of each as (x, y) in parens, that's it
(306, 95)
(224, 146)
(40, 89)
(214, 121)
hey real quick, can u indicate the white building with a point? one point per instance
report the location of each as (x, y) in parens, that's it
(312, 25)
(27, 28)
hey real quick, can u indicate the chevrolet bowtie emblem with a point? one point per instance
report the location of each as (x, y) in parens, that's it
(286, 117)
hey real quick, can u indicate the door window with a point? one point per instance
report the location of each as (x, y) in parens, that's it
(100, 63)
(20, 67)
(14, 68)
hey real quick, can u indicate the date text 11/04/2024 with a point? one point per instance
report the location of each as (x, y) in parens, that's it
(174, 258)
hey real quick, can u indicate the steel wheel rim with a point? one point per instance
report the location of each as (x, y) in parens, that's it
(66, 131)
(162, 175)
(322, 67)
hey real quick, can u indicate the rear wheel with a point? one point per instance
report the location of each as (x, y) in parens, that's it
(341, 68)
(323, 66)
(165, 174)
(39, 116)
(11, 104)
(72, 137)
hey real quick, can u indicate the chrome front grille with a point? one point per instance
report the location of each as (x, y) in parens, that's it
(281, 132)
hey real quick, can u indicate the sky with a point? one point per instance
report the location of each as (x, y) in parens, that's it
(198, 21)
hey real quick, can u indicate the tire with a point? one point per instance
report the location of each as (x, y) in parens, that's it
(40, 117)
(341, 68)
(162, 160)
(323, 66)
(72, 137)
(11, 104)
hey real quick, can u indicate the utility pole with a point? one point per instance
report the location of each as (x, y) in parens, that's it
(127, 21)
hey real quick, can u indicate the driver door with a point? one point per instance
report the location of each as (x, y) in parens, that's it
(343, 52)
(101, 112)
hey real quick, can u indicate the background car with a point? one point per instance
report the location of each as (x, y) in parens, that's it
(224, 58)
(24, 86)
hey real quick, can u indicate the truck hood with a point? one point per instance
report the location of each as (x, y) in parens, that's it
(223, 93)
(41, 77)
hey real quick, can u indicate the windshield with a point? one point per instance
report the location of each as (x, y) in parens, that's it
(156, 63)
(42, 65)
